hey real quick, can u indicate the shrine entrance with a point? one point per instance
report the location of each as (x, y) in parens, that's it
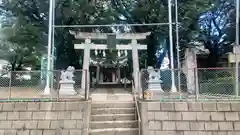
(108, 76)
(108, 61)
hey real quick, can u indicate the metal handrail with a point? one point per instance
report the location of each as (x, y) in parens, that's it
(137, 109)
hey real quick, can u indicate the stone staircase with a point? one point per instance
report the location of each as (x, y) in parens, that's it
(113, 118)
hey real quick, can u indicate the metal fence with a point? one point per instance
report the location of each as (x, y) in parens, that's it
(191, 84)
(30, 85)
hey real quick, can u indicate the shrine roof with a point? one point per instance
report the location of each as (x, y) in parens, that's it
(110, 65)
(96, 35)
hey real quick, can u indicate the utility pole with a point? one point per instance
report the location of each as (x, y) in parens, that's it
(237, 48)
(177, 44)
(49, 50)
(173, 88)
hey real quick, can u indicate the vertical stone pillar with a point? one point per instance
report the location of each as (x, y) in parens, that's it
(98, 73)
(118, 75)
(86, 59)
(135, 62)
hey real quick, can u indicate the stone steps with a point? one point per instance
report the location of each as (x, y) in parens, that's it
(113, 111)
(115, 131)
(113, 118)
(112, 104)
(114, 124)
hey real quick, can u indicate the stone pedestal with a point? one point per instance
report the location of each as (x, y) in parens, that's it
(66, 88)
(154, 82)
(154, 85)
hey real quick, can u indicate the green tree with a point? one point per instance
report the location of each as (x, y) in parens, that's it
(79, 12)
(21, 46)
(213, 30)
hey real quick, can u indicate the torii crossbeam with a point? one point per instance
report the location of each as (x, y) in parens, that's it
(88, 45)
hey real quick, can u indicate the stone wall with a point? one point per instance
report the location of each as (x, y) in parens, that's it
(44, 118)
(183, 118)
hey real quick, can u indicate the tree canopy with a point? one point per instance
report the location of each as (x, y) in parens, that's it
(210, 22)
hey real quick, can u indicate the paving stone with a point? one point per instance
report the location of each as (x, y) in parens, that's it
(231, 116)
(76, 115)
(75, 132)
(217, 116)
(18, 124)
(5, 124)
(86, 132)
(81, 125)
(204, 133)
(225, 126)
(44, 124)
(211, 126)
(51, 115)
(209, 106)
(31, 124)
(174, 116)
(169, 133)
(153, 106)
(219, 133)
(181, 106)
(22, 106)
(10, 132)
(58, 106)
(151, 132)
(154, 125)
(23, 132)
(161, 115)
(69, 124)
(203, 116)
(151, 115)
(25, 115)
(189, 116)
(38, 115)
(36, 132)
(197, 126)
(33, 106)
(8, 107)
(3, 115)
(64, 115)
(190, 133)
(235, 107)
(167, 125)
(55, 125)
(195, 106)
(13, 116)
(49, 132)
(167, 106)
(223, 106)
(73, 106)
(182, 125)
(46, 106)
(233, 133)
(236, 126)
(1, 132)
(62, 132)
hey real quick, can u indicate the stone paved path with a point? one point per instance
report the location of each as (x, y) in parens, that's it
(111, 94)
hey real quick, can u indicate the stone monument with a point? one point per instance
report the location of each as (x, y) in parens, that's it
(188, 69)
(154, 82)
(67, 82)
(165, 63)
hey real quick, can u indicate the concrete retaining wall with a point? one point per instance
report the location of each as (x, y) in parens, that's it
(44, 118)
(182, 118)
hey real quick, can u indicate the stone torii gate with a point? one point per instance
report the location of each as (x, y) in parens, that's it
(87, 46)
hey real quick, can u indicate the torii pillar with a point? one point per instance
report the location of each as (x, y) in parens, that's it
(134, 46)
